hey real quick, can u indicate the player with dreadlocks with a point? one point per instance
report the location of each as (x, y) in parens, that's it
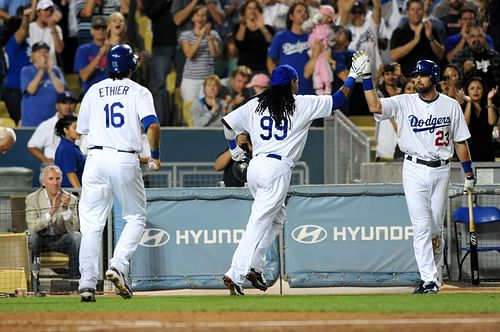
(278, 122)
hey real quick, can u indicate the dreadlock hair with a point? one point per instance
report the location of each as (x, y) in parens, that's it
(280, 102)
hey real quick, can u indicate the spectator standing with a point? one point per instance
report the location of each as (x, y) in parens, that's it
(44, 141)
(40, 84)
(164, 43)
(481, 116)
(87, 9)
(68, 156)
(209, 109)
(116, 29)
(14, 42)
(227, 61)
(200, 46)
(320, 31)
(415, 41)
(366, 28)
(452, 17)
(252, 37)
(183, 11)
(340, 60)
(90, 58)
(290, 46)
(437, 24)
(44, 29)
(477, 59)
(52, 219)
(455, 43)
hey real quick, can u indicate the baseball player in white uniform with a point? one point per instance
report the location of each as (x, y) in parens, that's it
(111, 114)
(431, 127)
(278, 122)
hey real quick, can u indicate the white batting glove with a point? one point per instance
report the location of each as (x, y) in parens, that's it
(470, 182)
(358, 61)
(237, 154)
(366, 70)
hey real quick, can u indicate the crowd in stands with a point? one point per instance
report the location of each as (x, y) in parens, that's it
(221, 52)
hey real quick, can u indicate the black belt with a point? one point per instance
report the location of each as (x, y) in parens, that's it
(100, 148)
(428, 163)
(274, 155)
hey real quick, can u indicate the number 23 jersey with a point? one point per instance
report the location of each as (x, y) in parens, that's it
(285, 139)
(111, 113)
(426, 129)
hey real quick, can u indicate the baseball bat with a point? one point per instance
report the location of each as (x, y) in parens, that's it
(474, 265)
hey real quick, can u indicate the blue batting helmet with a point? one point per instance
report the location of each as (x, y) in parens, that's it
(121, 59)
(427, 67)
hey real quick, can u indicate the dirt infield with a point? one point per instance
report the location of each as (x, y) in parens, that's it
(238, 321)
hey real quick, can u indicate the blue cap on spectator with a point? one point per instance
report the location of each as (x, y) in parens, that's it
(39, 45)
(283, 75)
(66, 96)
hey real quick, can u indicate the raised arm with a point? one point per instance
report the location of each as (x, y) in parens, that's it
(372, 99)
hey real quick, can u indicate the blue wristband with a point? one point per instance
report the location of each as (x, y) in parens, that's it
(155, 154)
(367, 84)
(349, 82)
(467, 166)
(231, 143)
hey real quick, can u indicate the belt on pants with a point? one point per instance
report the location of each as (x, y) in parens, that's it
(274, 155)
(428, 163)
(97, 147)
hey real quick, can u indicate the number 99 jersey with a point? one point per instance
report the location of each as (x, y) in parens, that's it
(285, 139)
(111, 111)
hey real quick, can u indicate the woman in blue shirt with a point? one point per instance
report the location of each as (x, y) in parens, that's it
(68, 156)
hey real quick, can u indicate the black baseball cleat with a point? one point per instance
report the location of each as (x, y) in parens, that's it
(118, 279)
(257, 279)
(87, 295)
(430, 288)
(234, 289)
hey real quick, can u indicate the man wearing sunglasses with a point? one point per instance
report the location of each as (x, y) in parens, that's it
(90, 58)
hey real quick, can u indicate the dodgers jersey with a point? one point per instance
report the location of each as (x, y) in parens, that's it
(111, 112)
(427, 130)
(287, 140)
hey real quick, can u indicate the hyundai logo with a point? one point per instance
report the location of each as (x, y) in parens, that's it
(154, 237)
(309, 234)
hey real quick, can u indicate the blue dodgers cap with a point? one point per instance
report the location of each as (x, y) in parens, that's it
(66, 96)
(283, 75)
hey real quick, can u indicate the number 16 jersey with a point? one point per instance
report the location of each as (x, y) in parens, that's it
(111, 112)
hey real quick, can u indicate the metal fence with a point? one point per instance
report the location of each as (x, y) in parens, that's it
(345, 148)
(202, 174)
(487, 235)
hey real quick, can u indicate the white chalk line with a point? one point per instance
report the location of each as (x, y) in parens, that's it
(95, 325)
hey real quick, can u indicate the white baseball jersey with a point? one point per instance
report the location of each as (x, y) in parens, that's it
(427, 130)
(111, 111)
(285, 140)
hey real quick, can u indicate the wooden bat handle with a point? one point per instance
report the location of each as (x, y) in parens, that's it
(472, 228)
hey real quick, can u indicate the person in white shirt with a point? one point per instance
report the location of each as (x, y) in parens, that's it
(45, 29)
(44, 141)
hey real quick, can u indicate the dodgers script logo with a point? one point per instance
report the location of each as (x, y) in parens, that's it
(429, 124)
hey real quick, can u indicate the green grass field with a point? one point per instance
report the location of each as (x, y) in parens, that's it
(444, 303)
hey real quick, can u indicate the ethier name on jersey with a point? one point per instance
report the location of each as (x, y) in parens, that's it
(113, 90)
(430, 124)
